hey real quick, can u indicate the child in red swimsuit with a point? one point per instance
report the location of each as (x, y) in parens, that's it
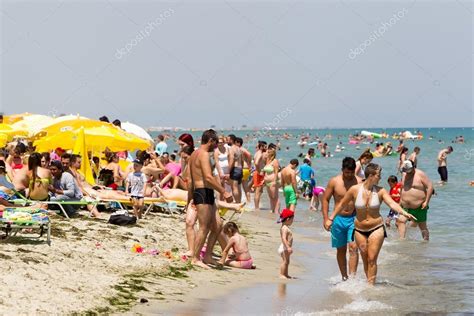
(395, 189)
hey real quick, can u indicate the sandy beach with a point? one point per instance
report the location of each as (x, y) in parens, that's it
(90, 267)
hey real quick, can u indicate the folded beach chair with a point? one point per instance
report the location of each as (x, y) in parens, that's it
(13, 220)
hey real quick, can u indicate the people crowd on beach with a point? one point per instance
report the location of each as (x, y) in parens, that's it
(220, 174)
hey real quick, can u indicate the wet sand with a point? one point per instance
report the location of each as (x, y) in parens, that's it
(202, 287)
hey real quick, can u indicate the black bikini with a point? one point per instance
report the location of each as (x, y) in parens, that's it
(369, 232)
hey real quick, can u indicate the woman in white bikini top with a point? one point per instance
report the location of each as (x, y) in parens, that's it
(369, 231)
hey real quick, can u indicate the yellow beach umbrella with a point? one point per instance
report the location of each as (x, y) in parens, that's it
(68, 123)
(10, 132)
(97, 139)
(80, 148)
(3, 140)
(32, 124)
(10, 119)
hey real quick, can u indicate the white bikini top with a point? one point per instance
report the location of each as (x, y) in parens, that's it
(373, 202)
(361, 173)
(223, 158)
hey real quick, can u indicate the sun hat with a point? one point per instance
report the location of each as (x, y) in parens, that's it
(285, 214)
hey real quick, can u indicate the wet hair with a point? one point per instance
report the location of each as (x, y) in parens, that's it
(239, 140)
(57, 164)
(294, 162)
(311, 151)
(231, 227)
(160, 137)
(392, 179)
(366, 155)
(188, 150)
(261, 143)
(349, 163)
(307, 161)
(187, 139)
(404, 150)
(416, 148)
(371, 169)
(300, 155)
(450, 148)
(74, 158)
(104, 119)
(66, 156)
(232, 137)
(208, 135)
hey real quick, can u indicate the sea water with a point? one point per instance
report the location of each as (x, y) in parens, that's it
(413, 275)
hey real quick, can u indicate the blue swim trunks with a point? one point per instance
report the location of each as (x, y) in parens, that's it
(341, 230)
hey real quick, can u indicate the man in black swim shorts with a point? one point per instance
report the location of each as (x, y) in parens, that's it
(236, 163)
(201, 190)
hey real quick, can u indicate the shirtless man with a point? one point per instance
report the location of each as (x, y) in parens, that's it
(415, 198)
(247, 159)
(288, 181)
(442, 164)
(236, 163)
(414, 156)
(201, 191)
(343, 225)
(258, 175)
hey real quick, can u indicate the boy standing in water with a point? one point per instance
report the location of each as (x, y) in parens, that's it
(136, 181)
(285, 250)
(288, 180)
(395, 189)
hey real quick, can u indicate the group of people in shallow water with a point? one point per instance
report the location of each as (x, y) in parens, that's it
(224, 166)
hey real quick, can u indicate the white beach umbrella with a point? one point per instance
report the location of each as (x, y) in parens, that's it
(136, 130)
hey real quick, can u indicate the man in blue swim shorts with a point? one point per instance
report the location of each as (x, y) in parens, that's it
(343, 224)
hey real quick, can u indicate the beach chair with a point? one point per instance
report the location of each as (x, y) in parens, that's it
(172, 207)
(223, 211)
(14, 220)
(23, 201)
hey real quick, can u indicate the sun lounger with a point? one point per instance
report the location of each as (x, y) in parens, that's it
(13, 220)
(23, 201)
(172, 207)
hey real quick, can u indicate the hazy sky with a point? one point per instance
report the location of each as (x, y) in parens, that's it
(228, 63)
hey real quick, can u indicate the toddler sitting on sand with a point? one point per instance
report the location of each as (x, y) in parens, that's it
(238, 243)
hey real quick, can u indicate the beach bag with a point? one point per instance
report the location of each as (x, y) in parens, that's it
(122, 218)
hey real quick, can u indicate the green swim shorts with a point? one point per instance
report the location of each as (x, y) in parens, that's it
(419, 213)
(290, 195)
